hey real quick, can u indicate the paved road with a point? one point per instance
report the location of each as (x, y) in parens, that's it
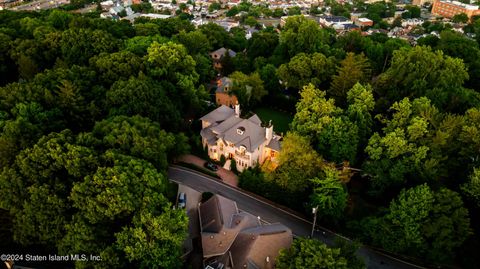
(272, 214)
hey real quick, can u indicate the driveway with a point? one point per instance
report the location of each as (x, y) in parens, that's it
(227, 176)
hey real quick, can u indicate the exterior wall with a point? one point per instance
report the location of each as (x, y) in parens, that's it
(205, 124)
(450, 9)
(225, 99)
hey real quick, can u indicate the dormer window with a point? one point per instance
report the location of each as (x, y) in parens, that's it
(240, 130)
(242, 148)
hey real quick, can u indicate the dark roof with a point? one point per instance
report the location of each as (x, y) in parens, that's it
(334, 18)
(210, 216)
(253, 245)
(275, 143)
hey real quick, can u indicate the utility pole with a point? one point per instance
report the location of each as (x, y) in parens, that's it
(314, 211)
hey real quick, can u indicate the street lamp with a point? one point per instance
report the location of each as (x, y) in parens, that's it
(314, 211)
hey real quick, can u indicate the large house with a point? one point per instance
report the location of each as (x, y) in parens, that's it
(238, 240)
(244, 141)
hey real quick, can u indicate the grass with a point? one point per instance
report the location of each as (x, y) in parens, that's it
(280, 119)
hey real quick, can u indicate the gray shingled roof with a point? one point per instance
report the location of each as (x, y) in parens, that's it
(223, 51)
(225, 125)
(251, 138)
(225, 81)
(255, 119)
(220, 114)
(275, 143)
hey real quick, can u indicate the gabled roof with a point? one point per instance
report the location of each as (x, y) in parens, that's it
(251, 138)
(223, 52)
(275, 143)
(225, 82)
(219, 114)
(255, 246)
(255, 119)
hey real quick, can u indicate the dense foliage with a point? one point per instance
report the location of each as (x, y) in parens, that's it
(385, 139)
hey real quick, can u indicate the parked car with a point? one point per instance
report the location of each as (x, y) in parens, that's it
(182, 200)
(211, 166)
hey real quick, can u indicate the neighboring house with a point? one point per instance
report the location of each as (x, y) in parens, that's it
(223, 94)
(238, 240)
(245, 141)
(218, 55)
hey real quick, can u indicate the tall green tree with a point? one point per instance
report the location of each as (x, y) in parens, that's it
(248, 88)
(329, 194)
(306, 68)
(303, 35)
(310, 253)
(353, 69)
(421, 72)
(423, 223)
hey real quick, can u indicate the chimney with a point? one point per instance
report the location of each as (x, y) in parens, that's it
(269, 131)
(237, 110)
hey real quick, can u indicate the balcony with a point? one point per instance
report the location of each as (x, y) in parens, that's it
(241, 155)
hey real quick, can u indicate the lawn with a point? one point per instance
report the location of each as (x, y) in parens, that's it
(280, 119)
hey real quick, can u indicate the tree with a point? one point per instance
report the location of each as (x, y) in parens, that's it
(471, 189)
(306, 68)
(329, 194)
(248, 88)
(353, 69)
(141, 96)
(460, 18)
(298, 162)
(116, 66)
(424, 223)
(268, 73)
(155, 241)
(132, 136)
(214, 6)
(171, 62)
(459, 46)
(310, 253)
(195, 42)
(420, 72)
(218, 36)
(330, 129)
(418, 144)
(261, 44)
(294, 11)
(302, 35)
(36, 187)
(78, 45)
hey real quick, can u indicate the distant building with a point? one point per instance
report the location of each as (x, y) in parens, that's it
(421, 2)
(238, 240)
(363, 22)
(244, 141)
(331, 21)
(223, 94)
(448, 9)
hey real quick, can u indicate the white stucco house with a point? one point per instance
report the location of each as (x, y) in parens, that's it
(244, 141)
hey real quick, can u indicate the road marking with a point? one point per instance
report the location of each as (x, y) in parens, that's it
(238, 190)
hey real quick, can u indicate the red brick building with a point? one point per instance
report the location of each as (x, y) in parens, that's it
(448, 9)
